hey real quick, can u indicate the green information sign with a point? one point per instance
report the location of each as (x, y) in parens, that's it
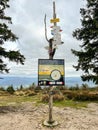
(51, 72)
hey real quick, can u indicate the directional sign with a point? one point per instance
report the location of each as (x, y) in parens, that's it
(54, 20)
(57, 42)
(52, 32)
(56, 29)
(57, 39)
(57, 36)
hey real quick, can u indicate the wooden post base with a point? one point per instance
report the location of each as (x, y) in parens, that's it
(50, 124)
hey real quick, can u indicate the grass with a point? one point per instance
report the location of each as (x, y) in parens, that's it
(5, 100)
(71, 103)
(12, 99)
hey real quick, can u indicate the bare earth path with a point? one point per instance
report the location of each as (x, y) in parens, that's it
(30, 117)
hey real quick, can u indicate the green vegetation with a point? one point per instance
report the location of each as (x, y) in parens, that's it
(77, 96)
(71, 103)
(88, 35)
(6, 34)
(14, 100)
(10, 89)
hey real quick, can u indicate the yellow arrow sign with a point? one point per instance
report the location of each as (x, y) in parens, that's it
(55, 20)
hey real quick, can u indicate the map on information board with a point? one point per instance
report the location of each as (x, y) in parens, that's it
(51, 72)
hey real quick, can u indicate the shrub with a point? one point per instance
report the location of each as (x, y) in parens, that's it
(10, 89)
(93, 96)
(61, 87)
(96, 88)
(45, 98)
(74, 87)
(2, 89)
(71, 95)
(21, 87)
(25, 93)
(30, 93)
(66, 92)
(82, 96)
(38, 89)
(56, 97)
(84, 87)
(32, 87)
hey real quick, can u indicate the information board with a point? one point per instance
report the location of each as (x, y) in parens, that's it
(51, 72)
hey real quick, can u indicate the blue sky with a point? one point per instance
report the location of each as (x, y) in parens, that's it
(28, 25)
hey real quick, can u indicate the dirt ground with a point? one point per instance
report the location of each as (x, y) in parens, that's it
(30, 117)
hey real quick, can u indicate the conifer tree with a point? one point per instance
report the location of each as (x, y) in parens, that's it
(7, 35)
(88, 34)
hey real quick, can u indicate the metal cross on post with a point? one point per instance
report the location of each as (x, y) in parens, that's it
(53, 42)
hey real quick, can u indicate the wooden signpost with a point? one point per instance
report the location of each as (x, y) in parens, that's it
(53, 42)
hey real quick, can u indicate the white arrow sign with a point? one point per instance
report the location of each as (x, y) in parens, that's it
(56, 29)
(57, 39)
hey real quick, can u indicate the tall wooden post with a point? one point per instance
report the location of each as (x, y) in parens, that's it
(50, 121)
(54, 13)
(51, 89)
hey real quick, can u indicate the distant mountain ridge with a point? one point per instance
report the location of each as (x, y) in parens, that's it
(5, 81)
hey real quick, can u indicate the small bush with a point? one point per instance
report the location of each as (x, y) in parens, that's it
(10, 89)
(84, 87)
(65, 92)
(21, 87)
(61, 87)
(81, 96)
(30, 93)
(45, 98)
(74, 87)
(56, 97)
(37, 89)
(2, 89)
(32, 87)
(25, 93)
(71, 95)
(19, 93)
